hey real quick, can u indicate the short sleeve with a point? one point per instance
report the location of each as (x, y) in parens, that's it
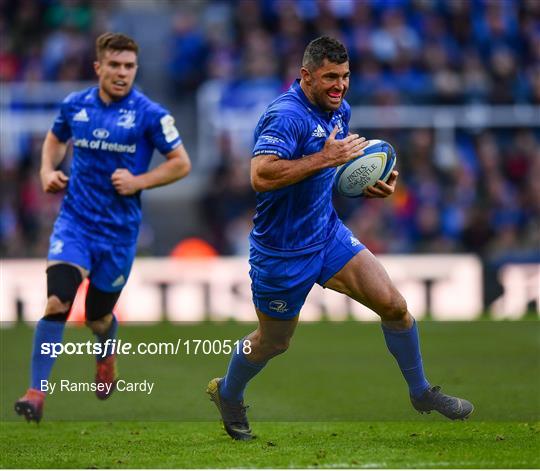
(61, 127)
(162, 131)
(277, 135)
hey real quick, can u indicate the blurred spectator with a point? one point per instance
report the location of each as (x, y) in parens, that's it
(476, 80)
(394, 38)
(229, 202)
(446, 49)
(189, 53)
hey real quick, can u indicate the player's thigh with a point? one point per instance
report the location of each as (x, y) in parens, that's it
(365, 280)
(68, 262)
(280, 285)
(83, 271)
(68, 245)
(342, 247)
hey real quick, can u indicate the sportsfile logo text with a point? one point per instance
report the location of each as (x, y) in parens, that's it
(119, 347)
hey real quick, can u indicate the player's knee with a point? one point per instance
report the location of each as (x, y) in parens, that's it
(100, 326)
(394, 308)
(278, 346)
(281, 347)
(56, 309)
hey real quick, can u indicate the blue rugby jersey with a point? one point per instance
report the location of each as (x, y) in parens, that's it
(105, 137)
(298, 218)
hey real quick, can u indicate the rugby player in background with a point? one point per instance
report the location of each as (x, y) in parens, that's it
(114, 129)
(298, 239)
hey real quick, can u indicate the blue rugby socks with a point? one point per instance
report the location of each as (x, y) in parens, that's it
(405, 347)
(107, 348)
(47, 332)
(240, 371)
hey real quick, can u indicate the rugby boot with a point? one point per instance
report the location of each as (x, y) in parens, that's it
(434, 399)
(105, 377)
(233, 413)
(31, 405)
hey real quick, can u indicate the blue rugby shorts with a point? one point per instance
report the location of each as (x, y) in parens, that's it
(108, 264)
(280, 284)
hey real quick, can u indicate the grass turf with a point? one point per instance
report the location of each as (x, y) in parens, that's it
(298, 444)
(336, 399)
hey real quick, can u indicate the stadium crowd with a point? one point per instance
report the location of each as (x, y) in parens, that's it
(483, 199)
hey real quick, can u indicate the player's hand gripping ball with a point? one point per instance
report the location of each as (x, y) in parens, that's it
(376, 163)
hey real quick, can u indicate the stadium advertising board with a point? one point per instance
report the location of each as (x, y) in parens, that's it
(448, 287)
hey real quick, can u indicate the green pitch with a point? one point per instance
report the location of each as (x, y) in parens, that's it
(335, 399)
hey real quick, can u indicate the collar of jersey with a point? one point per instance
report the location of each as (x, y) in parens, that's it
(112, 103)
(298, 89)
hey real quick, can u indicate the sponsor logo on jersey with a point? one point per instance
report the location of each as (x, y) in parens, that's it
(268, 152)
(278, 305)
(101, 133)
(127, 119)
(81, 116)
(56, 247)
(169, 129)
(120, 281)
(319, 131)
(99, 144)
(271, 139)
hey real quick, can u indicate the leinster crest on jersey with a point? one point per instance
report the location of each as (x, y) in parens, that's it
(127, 119)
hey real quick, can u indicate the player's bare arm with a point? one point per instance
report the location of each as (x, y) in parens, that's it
(269, 172)
(52, 154)
(177, 166)
(382, 189)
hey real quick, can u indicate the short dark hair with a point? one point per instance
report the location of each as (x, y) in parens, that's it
(115, 42)
(322, 48)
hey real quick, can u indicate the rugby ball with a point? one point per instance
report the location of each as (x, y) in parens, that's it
(376, 163)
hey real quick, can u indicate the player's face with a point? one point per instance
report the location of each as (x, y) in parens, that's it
(327, 85)
(116, 72)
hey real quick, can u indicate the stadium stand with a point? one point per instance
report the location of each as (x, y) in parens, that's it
(478, 195)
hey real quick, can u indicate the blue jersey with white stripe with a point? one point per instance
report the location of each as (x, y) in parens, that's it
(122, 134)
(298, 218)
